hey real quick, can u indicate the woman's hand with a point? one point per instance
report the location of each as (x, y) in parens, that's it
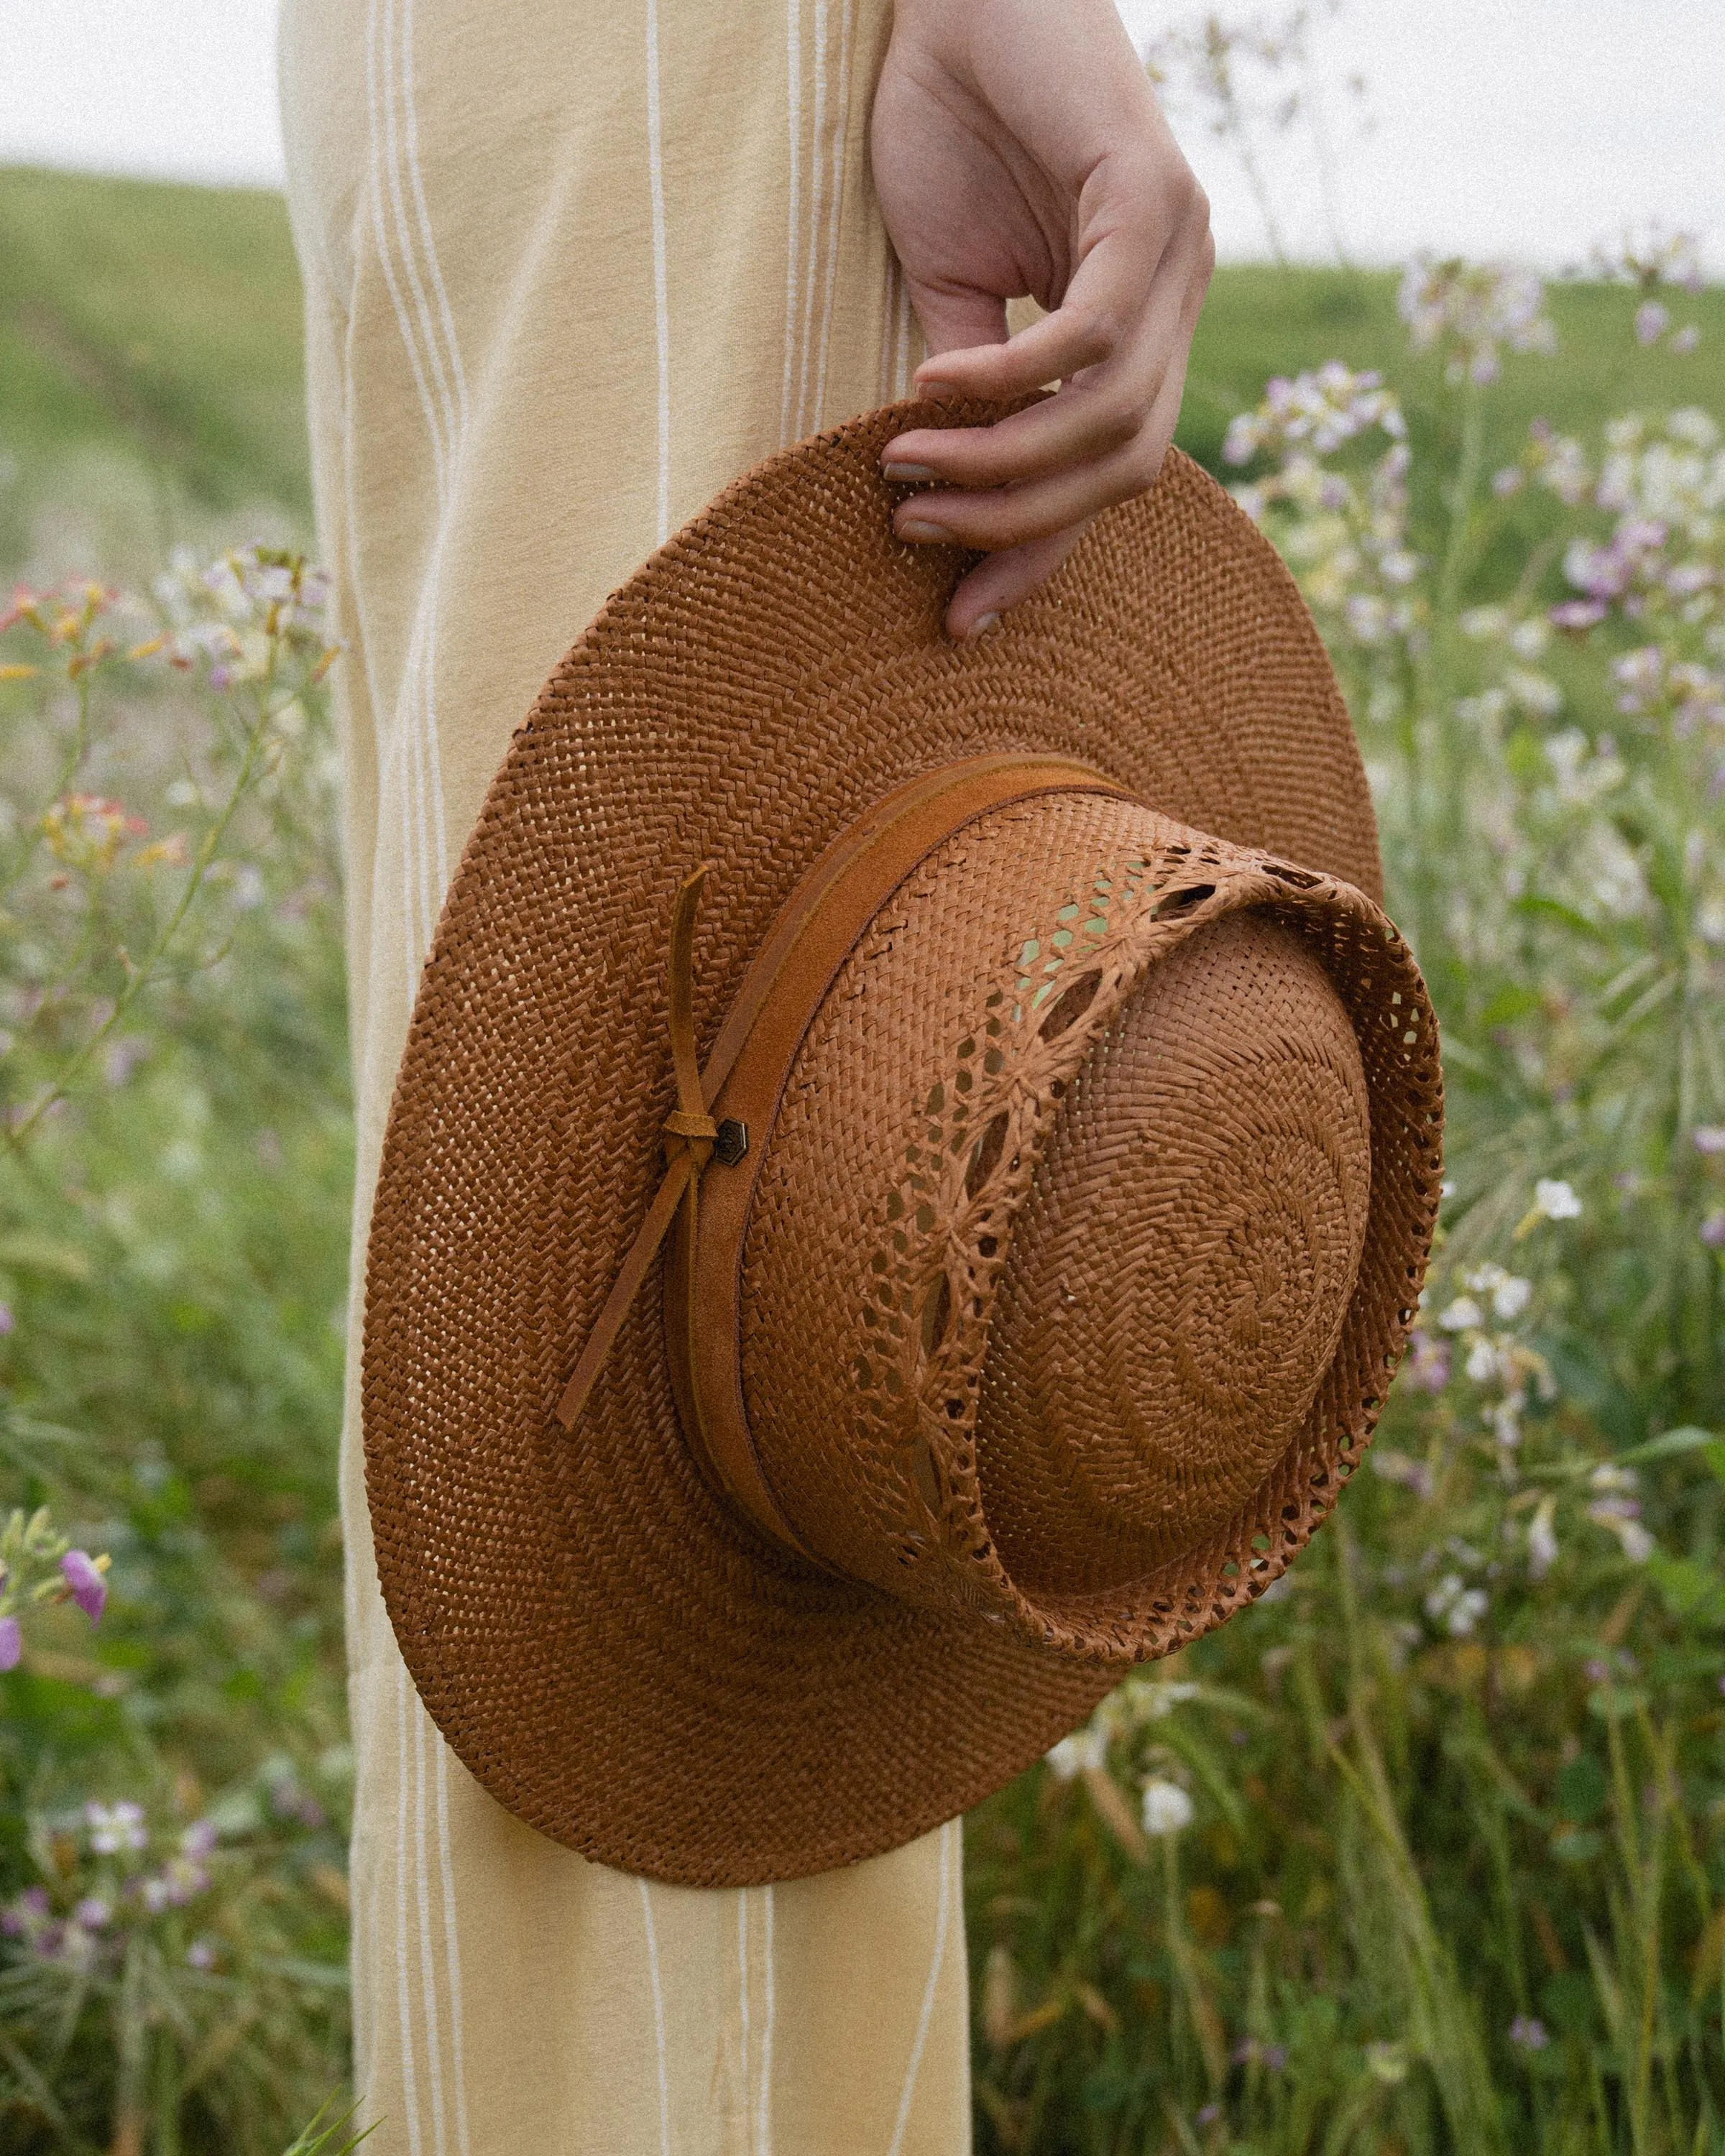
(1018, 148)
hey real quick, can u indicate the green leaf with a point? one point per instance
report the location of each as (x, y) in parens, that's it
(1692, 1591)
(1511, 1002)
(1688, 1439)
(1582, 1790)
(1535, 908)
(40, 1254)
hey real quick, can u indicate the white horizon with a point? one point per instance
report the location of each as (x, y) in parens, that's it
(1524, 133)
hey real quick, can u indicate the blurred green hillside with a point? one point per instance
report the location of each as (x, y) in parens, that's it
(156, 329)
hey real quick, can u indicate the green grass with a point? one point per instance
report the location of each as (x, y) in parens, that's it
(154, 327)
(1260, 322)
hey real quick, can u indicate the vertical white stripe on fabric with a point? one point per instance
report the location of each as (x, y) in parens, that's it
(664, 2140)
(661, 310)
(793, 116)
(763, 2135)
(452, 1948)
(417, 682)
(380, 103)
(413, 766)
(409, 256)
(742, 1992)
(818, 171)
(400, 751)
(930, 1989)
(380, 190)
(411, 115)
(428, 1973)
(369, 2005)
(409, 2081)
(434, 756)
(840, 141)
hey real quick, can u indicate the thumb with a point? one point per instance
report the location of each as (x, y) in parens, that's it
(954, 320)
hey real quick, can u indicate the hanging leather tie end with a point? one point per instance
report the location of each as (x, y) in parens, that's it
(691, 1138)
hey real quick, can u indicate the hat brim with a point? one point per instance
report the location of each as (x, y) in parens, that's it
(613, 1652)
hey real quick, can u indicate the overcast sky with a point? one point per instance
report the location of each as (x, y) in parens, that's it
(1526, 128)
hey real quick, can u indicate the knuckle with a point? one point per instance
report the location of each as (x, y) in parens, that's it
(1093, 333)
(1114, 428)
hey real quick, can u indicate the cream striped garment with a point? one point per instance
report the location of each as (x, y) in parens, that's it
(571, 268)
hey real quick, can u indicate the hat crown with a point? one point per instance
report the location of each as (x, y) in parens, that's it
(1181, 1270)
(1078, 1153)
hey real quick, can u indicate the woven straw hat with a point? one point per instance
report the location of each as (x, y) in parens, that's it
(815, 1343)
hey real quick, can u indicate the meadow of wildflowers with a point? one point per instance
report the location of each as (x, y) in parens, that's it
(1429, 1853)
(1425, 1853)
(172, 1764)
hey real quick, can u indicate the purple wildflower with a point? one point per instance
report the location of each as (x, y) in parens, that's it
(89, 1590)
(202, 1954)
(1578, 613)
(12, 1643)
(1652, 321)
(1528, 2034)
(1712, 1231)
(1427, 1362)
(26, 1915)
(93, 1912)
(8, 1323)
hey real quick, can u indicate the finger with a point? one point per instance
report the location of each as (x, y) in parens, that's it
(1162, 233)
(1101, 412)
(1003, 580)
(1003, 517)
(967, 318)
(1083, 420)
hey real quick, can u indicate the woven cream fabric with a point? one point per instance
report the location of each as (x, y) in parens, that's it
(570, 269)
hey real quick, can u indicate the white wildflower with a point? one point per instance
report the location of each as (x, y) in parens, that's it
(1455, 1605)
(116, 1828)
(1082, 1752)
(1556, 1200)
(1167, 1808)
(1509, 1292)
(1470, 310)
(1543, 1538)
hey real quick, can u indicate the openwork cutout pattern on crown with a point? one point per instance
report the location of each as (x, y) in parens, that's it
(969, 1168)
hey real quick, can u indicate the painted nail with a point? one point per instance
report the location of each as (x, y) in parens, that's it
(916, 528)
(908, 475)
(981, 626)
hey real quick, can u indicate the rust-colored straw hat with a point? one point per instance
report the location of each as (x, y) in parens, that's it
(814, 1345)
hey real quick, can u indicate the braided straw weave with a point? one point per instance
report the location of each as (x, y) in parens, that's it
(1081, 1243)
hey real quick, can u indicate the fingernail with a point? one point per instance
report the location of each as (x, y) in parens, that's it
(981, 626)
(936, 392)
(908, 475)
(917, 528)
